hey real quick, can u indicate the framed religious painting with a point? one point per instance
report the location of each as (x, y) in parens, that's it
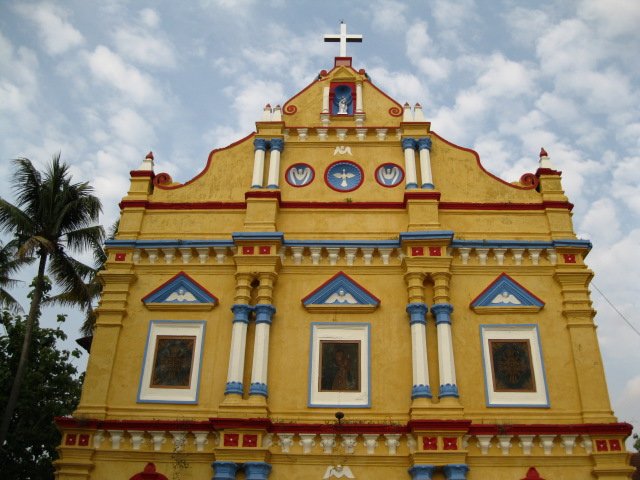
(171, 364)
(339, 365)
(513, 366)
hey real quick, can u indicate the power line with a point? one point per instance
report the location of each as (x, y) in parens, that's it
(617, 311)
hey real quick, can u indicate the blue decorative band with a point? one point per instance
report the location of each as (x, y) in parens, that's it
(448, 390)
(417, 312)
(426, 235)
(277, 144)
(264, 312)
(256, 470)
(408, 143)
(273, 187)
(428, 186)
(234, 387)
(421, 391)
(258, 389)
(411, 186)
(260, 144)
(442, 312)
(424, 142)
(256, 186)
(224, 470)
(241, 312)
(456, 471)
(422, 472)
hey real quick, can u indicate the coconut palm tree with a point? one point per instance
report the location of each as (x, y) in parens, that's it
(9, 264)
(51, 216)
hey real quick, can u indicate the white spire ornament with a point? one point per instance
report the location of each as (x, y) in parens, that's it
(545, 161)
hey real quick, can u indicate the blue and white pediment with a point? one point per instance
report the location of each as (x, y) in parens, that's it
(341, 292)
(180, 291)
(505, 294)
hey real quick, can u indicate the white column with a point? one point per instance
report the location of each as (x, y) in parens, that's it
(261, 350)
(409, 146)
(238, 344)
(417, 320)
(359, 105)
(277, 144)
(424, 147)
(448, 387)
(260, 146)
(325, 100)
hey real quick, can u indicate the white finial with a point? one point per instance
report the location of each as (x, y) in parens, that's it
(418, 114)
(545, 161)
(343, 38)
(266, 113)
(147, 163)
(277, 114)
(407, 115)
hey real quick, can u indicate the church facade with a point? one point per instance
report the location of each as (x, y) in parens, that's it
(345, 294)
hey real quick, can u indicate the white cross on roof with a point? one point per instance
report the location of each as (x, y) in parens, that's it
(343, 38)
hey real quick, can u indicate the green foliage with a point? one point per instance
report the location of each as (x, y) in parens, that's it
(51, 388)
(636, 443)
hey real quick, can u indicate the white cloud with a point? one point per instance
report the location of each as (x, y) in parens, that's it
(149, 17)
(525, 24)
(419, 44)
(626, 178)
(389, 15)
(401, 86)
(57, 34)
(613, 17)
(602, 211)
(131, 128)
(146, 47)
(109, 68)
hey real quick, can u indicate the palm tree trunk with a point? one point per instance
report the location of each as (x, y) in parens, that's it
(34, 311)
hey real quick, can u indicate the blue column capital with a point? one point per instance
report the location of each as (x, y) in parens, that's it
(260, 144)
(234, 387)
(424, 142)
(259, 389)
(417, 312)
(241, 312)
(408, 143)
(442, 312)
(421, 391)
(264, 312)
(456, 471)
(422, 472)
(448, 390)
(256, 470)
(277, 144)
(224, 470)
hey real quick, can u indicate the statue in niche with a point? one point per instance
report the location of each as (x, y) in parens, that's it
(342, 101)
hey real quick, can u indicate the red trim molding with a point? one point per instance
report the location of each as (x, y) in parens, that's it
(466, 426)
(263, 194)
(547, 171)
(141, 173)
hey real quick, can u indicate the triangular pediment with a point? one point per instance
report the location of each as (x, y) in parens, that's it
(341, 292)
(180, 292)
(504, 295)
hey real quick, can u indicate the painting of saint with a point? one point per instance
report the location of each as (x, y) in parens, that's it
(511, 366)
(173, 361)
(339, 366)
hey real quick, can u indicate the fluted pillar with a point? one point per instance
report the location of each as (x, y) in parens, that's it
(422, 472)
(241, 312)
(359, 104)
(424, 147)
(409, 147)
(260, 147)
(277, 145)
(224, 470)
(417, 320)
(256, 470)
(448, 386)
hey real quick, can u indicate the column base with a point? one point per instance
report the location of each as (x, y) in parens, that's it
(448, 408)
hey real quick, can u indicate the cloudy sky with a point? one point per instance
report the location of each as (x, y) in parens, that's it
(105, 82)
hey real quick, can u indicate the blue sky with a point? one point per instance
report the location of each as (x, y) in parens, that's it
(105, 82)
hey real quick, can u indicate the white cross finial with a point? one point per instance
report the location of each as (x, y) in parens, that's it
(343, 38)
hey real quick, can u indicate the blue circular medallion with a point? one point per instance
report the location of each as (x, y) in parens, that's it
(389, 175)
(299, 175)
(343, 176)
